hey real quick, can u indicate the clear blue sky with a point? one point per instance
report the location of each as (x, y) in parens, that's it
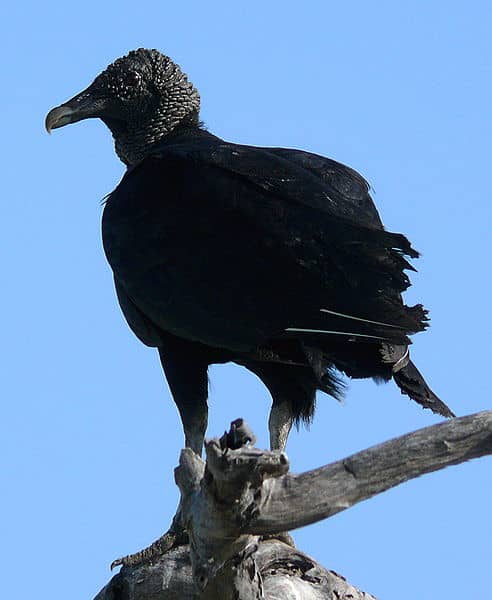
(89, 434)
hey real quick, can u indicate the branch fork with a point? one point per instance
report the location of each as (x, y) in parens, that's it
(242, 493)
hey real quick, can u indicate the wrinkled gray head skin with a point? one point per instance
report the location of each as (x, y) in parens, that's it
(141, 97)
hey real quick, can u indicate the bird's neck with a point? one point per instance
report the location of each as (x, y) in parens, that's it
(135, 139)
(133, 144)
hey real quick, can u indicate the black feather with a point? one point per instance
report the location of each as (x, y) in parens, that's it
(273, 258)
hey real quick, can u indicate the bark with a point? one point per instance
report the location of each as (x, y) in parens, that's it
(286, 573)
(242, 492)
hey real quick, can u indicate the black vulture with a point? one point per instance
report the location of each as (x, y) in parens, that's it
(272, 258)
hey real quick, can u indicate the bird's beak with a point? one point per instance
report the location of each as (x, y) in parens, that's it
(85, 105)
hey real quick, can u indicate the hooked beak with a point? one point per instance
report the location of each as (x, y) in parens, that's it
(58, 117)
(82, 106)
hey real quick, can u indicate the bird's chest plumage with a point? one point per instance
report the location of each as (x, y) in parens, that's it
(140, 233)
(155, 247)
(195, 269)
(180, 240)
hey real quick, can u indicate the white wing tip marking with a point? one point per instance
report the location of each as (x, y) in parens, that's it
(345, 333)
(339, 314)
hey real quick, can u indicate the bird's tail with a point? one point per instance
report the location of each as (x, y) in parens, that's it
(411, 382)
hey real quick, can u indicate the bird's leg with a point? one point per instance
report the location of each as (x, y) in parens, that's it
(285, 393)
(280, 424)
(186, 375)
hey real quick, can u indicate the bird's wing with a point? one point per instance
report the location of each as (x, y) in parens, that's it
(302, 177)
(232, 245)
(348, 190)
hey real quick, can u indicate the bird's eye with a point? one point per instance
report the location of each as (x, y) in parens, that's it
(132, 78)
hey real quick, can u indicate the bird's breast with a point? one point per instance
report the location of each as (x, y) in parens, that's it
(195, 273)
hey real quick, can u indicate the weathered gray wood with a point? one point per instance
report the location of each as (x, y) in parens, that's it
(297, 500)
(241, 493)
(223, 557)
(286, 573)
(168, 578)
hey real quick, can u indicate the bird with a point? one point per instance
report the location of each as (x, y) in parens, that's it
(272, 258)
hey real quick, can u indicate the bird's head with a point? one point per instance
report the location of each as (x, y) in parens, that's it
(141, 97)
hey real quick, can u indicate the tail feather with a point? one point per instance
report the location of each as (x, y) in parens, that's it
(411, 382)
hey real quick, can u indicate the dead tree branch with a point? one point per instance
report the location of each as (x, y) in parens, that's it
(240, 494)
(297, 500)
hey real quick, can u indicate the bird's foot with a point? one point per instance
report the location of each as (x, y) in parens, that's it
(175, 536)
